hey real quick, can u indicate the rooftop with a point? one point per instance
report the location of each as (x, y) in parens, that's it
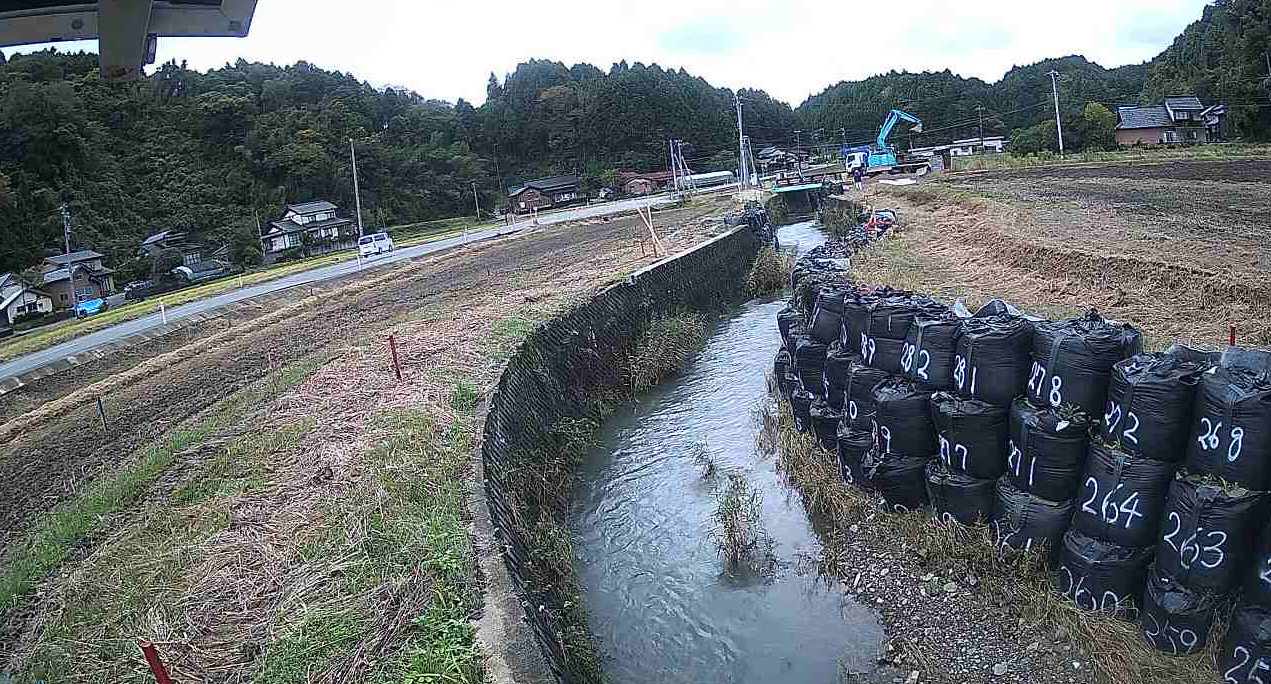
(1155, 116)
(161, 236)
(1188, 102)
(74, 257)
(281, 227)
(311, 207)
(546, 184)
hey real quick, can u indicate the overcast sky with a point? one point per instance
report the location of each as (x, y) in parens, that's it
(790, 48)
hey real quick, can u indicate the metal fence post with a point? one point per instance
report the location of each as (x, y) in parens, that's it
(156, 665)
(392, 346)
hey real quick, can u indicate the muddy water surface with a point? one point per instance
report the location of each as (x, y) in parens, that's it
(658, 599)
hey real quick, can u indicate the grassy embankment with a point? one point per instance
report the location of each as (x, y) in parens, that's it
(1232, 152)
(409, 235)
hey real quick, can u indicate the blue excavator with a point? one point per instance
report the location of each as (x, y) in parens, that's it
(883, 157)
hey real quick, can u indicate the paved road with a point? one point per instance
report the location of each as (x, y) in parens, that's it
(79, 345)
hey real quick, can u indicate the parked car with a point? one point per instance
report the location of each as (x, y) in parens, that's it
(376, 243)
(90, 307)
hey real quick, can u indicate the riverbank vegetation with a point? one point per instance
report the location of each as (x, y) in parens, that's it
(770, 272)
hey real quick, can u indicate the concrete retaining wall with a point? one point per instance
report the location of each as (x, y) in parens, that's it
(554, 376)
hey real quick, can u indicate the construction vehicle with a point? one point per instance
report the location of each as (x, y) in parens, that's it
(883, 157)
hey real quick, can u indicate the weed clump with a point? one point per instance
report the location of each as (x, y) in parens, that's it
(704, 460)
(739, 533)
(667, 344)
(769, 272)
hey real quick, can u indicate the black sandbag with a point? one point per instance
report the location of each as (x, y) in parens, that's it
(1046, 454)
(972, 435)
(1101, 576)
(898, 478)
(1072, 360)
(855, 317)
(930, 345)
(788, 382)
(1208, 534)
(1027, 521)
(1257, 361)
(861, 381)
(827, 316)
(882, 353)
(1122, 497)
(809, 363)
(838, 362)
(1149, 406)
(1258, 578)
(1202, 356)
(902, 418)
(996, 307)
(825, 423)
(801, 405)
(1231, 428)
(891, 316)
(787, 321)
(877, 313)
(993, 358)
(1175, 620)
(853, 444)
(1246, 653)
(781, 362)
(955, 497)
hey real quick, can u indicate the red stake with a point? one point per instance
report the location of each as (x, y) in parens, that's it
(397, 366)
(1231, 333)
(156, 665)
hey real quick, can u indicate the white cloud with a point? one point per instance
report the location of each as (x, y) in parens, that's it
(791, 48)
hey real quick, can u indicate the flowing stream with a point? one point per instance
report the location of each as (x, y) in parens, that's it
(658, 599)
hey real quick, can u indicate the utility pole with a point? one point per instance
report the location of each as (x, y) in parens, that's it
(66, 227)
(476, 202)
(1059, 122)
(357, 194)
(980, 110)
(741, 149)
(675, 178)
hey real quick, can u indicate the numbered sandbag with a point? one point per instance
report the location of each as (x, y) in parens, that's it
(825, 423)
(993, 358)
(1175, 620)
(780, 363)
(929, 348)
(1122, 497)
(1101, 576)
(788, 382)
(1027, 521)
(902, 419)
(882, 353)
(1046, 452)
(827, 316)
(788, 322)
(809, 363)
(972, 435)
(900, 479)
(955, 497)
(853, 444)
(861, 381)
(1231, 428)
(801, 406)
(1208, 534)
(1149, 406)
(1073, 359)
(838, 362)
(1246, 653)
(1258, 578)
(858, 311)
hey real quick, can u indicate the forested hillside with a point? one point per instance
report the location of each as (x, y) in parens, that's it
(210, 153)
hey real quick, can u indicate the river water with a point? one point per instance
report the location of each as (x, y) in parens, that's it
(659, 601)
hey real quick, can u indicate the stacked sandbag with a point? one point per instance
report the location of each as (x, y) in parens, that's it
(902, 419)
(1100, 576)
(1208, 534)
(957, 497)
(801, 406)
(1231, 428)
(993, 358)
(853, 444)
(825, 423)
(1175, 620)
(886, 325)
(1073, 359)
(1149, 406)
(780, 363)
(1246, 654)
(971, 437)
(827, 316)
(1026, 521)
(838, 363)
(861, 381)
(809, 363)
(930, 345)
(899, 478)
(1046, 454)
(789, 323)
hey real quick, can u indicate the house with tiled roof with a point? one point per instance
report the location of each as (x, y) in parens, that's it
(76, 277)
(544, 193)
(18, 299)
(307, 229)
(1179, 119)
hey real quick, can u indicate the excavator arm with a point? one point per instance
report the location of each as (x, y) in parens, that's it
(894, 118)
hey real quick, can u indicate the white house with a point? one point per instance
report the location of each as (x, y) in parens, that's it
(17, 298)
(312, 227)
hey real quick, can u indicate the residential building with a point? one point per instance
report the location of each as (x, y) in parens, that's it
(965, 147)
(18, 298)
(645, 183)
(192, 250)
(544, 193)
(309, 228)
(92, 279)
(1180, 119)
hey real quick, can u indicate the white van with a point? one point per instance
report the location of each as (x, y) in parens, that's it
(376, 243)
